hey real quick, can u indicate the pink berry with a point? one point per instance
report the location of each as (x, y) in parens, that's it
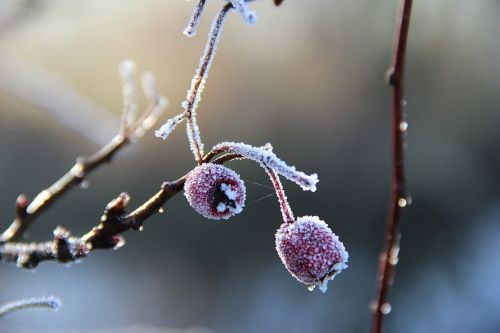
(215, 191)
(310, 251)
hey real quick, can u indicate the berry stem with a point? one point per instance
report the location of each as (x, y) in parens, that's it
(389, 255)
(286, 211)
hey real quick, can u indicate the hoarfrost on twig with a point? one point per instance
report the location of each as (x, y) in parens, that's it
(51, 302)
(190, 30)
(265, 157)
(249, 16)
(169, 126)
(198, 83)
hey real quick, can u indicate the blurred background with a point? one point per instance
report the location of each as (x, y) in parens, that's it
(308, 77)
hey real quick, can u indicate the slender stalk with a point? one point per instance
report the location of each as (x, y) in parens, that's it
(198, 83)
(51, 303)
(399, 196)
(65, 248)
(73, 177)
(130, 130)
(286, 211)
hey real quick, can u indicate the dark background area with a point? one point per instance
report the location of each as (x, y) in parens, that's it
(309, 78)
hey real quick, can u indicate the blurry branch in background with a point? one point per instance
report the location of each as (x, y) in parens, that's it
(131, 130)
(65, 248)
(51, 303)
(46, 90)
(52, 94)
(14, 13)
(399, 195)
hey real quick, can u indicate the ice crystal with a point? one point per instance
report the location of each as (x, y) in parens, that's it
(249, 16)
(169, 126)
(215, 191)
(190, 30)
(50, 302)
(198, 83)
(310, 251)
(268, 159)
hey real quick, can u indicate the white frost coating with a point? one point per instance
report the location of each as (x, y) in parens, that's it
(323, 286)
(221, 207)
(169, 126)
(50, 302)
(228, 191)
(127, 72)
(193, 134)
(268, 159)
(198, 83)
(206, 182)
(190, 30)
(249, 16)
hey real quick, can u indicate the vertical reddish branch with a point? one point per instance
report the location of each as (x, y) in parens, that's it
(399, 197)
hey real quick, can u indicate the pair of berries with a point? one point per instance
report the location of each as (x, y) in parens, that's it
(308, 248)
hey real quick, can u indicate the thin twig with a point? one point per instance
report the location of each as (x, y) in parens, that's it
(27, 212)
(198, 83)
(73, 177)
(399, 197)
(51, 303)
(65, 248)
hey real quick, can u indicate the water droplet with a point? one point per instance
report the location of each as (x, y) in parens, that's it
(141, 228)
(402, 202)
(84, 184)
(311, 288)
(403, 126)
(386, 308)
(161, 210)
(78, 170)
(393, 261)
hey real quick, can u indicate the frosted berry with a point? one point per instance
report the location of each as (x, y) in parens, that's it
(215, 191)
(310, 251)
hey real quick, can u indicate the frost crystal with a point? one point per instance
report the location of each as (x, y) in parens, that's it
(249, 16)
(190, 30)
(268, 159)
(310, 251)
(215, 191)
(169, 126)
(50, 302)
(198, 83)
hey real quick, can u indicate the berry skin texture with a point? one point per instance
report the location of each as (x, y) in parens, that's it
(310, 251)
(215, 191)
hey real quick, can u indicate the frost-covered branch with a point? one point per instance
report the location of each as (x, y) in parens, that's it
(26, 212)
(198, 83)
(51, 303)
(190, 30)
(268, 159)
(65, 248)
